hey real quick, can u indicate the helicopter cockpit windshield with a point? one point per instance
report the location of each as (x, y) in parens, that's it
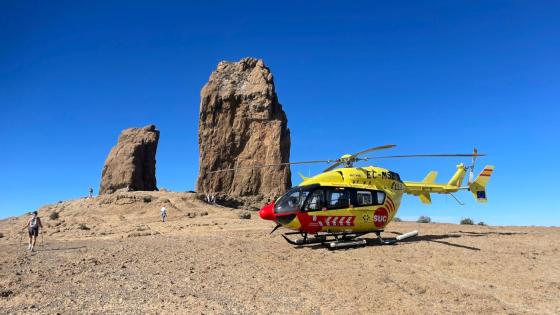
(293, 200)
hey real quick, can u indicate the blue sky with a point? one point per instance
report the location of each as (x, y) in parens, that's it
(434, 76)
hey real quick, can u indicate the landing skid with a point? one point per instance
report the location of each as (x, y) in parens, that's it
(320, 238)
(342, 240)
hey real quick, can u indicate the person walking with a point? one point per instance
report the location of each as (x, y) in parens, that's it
(163, 214)
(33, 225)
(90, 193)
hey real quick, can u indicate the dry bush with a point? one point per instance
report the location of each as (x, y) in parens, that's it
(467, 221)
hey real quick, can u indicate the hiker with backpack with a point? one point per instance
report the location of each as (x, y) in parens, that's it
(33, 225)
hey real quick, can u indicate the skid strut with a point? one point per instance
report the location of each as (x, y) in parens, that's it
(398, 238)
(382, 241)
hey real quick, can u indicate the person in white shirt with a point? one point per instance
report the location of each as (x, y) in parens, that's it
(163, 214)
(33, 225)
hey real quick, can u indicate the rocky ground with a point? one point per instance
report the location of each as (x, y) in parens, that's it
(208, 260)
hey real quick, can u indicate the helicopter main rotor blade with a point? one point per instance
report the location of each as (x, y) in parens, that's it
(269, 165)
(332, 167)
(418, 155)
(383, 147)
(336, 161)
(354, 157)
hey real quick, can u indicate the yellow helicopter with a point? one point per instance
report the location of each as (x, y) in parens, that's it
(343, 203)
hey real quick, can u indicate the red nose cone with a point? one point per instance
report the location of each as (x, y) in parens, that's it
(267, 212)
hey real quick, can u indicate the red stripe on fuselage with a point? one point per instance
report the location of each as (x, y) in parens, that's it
(314, 223)
(390, 204)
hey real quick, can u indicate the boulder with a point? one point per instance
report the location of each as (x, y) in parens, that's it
(131, 164)
(242, 125)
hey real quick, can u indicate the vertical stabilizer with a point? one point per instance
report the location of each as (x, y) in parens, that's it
(458, 177)
(478, 187)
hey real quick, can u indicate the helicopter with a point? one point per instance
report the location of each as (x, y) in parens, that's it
(344, 202)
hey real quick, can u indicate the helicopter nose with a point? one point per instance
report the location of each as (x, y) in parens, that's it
(267, 212)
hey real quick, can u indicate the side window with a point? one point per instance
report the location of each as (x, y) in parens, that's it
(337, 198)
(363, 198)
(316, 201)
(380, 197)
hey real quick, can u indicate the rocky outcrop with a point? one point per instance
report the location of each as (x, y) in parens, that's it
(131, 164)
(242, 124)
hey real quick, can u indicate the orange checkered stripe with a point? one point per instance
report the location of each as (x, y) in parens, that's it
(486, 172)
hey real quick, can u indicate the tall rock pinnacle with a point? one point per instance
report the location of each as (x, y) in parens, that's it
(132, 162)
(242, 124)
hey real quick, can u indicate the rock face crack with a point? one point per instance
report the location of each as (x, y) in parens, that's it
(242, 124)
(132, 162)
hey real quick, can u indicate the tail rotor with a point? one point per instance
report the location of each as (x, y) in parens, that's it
(471, 168)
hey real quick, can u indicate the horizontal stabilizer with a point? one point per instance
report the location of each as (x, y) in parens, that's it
(430, 178)
(425, 198)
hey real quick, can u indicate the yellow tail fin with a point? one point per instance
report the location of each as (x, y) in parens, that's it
(478, 187)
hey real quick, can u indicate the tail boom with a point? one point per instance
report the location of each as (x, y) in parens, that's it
(424, 188)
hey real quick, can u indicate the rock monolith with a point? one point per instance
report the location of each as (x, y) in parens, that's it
(242, 125)
(131, 164)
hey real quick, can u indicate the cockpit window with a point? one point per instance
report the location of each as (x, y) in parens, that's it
(292, 201)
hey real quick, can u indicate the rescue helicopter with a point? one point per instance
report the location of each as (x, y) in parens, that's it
(344, 202)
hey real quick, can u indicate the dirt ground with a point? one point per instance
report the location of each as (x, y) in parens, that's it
(207, 260)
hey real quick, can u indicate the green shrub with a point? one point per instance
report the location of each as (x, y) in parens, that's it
(397, 219)
(481, 223)
(467, 221)
(54, 215)
(424, 219)
(84, 227)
